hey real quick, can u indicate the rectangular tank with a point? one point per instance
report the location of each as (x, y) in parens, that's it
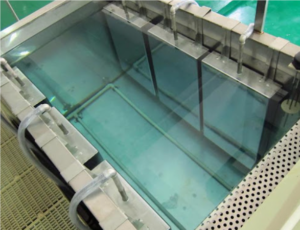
(171, 117)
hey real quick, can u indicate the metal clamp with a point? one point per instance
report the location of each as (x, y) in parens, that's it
(10, 72)
(88, 190)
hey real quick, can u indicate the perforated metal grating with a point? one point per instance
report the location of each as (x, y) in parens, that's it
(28, 199)
(233, 212)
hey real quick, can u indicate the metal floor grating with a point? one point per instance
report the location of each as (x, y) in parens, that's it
(28, 199)
(238, 207)
(12, 165)
(5, 135)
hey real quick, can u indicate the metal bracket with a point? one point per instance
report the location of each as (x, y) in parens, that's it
(260, 16)
(275, 48)
(136, 209)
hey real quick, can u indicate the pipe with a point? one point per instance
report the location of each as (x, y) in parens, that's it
(12, 10)
(173, 10)
(249, 31)
(88, 190)
(28, 143)
(25, 149)
(11, 72)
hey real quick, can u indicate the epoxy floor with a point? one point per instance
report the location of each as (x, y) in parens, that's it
(22, 9)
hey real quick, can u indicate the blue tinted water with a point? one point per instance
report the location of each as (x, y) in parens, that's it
(169, 161)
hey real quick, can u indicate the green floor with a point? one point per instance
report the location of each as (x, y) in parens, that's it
(22, 9)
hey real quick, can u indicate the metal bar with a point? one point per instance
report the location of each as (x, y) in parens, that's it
(190, 155)
(182, 148)
(260, 16)
(240, 58)
(12, 10)
(243, 38)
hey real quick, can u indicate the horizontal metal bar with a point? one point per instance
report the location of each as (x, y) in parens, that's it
(189, 154)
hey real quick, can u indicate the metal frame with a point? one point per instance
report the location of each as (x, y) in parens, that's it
(244, 200)
(260, 16)
(257, 51)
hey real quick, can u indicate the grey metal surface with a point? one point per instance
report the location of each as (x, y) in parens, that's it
(257, 51)
(136, 209)
(132, 18)
(81, 149)
(248, 78)
(234, 211)
(184, 44)
(29, 90)
(260, 16)
(275, 46)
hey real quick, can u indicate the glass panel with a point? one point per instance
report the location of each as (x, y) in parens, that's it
(234, 115)
(67, 68)
(244, 114)
(129, 44)
(141, 147)
(182, 96)
(137, 98)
